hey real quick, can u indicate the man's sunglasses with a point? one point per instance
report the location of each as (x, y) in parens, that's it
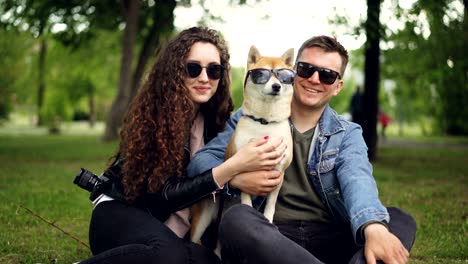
(261, 76)
(326, 76)
(214, 71)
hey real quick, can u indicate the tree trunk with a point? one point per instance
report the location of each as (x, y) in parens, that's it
(371, 79)
(92, 108)
(115, 116)
(163, 25)
(41, 80)
(456, 94)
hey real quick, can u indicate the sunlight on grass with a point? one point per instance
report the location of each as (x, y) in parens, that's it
(67, 128)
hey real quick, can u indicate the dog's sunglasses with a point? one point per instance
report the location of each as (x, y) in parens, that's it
(261, 76)
(214, 71)
(326, 76)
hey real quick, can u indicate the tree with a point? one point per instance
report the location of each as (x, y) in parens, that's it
(84, 77)
(13, 68)
(81, 20)
(370, 62)
(371, 77)
(158, 26)
(431, 85)
(425, 59)
(33, 16)
(40, 17)
(124, 87)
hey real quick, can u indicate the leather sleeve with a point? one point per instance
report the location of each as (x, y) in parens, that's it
(181, 192)
(176, 194)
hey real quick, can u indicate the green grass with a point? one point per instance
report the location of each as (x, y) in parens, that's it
(431, 184)
(37, 171)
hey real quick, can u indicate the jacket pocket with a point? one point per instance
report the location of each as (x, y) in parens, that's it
(338, 206)
(328, 161)
(325, 165)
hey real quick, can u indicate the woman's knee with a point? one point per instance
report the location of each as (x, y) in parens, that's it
(171, 251)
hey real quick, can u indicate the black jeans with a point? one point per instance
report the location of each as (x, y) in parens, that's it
(247, 237)
(124, 234)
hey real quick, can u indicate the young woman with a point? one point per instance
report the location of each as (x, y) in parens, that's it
(143, 217)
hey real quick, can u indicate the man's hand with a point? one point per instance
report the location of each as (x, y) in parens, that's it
(383, 245)
(256, 182)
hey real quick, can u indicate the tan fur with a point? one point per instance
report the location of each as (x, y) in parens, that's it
(260, 104)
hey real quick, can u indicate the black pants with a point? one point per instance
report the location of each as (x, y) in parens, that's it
(247, 237)
(123, 234)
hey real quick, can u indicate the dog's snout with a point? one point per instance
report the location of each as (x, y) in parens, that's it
(276, 87)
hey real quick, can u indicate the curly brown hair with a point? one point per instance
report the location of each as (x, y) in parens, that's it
(157, 124)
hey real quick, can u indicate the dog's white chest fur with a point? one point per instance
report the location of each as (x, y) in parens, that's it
(248, 129)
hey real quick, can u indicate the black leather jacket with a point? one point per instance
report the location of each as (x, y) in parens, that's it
(177, 193)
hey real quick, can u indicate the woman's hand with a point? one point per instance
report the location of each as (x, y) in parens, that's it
(257, 182)
(259, 154)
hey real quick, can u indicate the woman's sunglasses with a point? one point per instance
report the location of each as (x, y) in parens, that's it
(214, 71)
(261, 76)
(326, 76)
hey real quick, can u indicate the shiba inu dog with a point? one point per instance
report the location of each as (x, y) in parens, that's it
(268, 91)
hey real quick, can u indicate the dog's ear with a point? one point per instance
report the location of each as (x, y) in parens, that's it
(288, 57)
(254, 56)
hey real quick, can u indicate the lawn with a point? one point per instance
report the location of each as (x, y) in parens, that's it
(36, 172)
(431, 184)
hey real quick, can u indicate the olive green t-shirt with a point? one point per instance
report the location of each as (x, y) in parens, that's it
(297, 199)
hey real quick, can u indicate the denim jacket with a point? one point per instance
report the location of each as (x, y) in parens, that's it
(338, 166)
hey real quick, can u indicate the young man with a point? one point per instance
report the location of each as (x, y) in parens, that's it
(328, 210)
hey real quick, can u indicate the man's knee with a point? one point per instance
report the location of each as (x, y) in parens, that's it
(402, 217)
(237, 223)
(403, 226)
(234, 217)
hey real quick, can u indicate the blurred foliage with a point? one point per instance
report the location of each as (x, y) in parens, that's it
(423, 64)
(72, 74)
(429, 64)
(14, 73)
(237, 86)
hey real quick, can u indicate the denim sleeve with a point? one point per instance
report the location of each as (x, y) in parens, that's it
(358, 186)
(212, 154)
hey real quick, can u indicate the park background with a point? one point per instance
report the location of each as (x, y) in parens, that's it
(68, 70)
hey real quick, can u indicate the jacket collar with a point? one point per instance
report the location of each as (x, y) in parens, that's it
(329, 122)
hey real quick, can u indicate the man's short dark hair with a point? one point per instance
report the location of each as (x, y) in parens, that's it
(328, 44)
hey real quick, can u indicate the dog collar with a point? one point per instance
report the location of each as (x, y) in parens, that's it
(262, 121)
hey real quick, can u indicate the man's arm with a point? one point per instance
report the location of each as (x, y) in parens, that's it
(212, 155)
(368, 215)
(358, 187)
